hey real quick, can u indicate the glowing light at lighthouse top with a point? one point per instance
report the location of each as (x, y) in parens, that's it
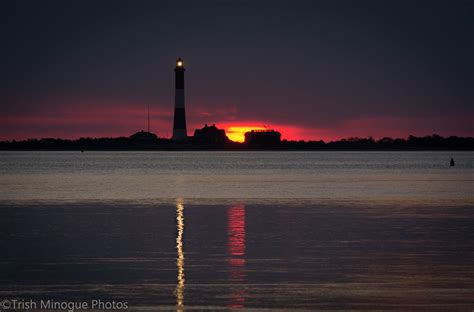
(179, 63)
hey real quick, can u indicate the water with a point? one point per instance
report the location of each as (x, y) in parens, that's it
(157, 176)
(239, 230)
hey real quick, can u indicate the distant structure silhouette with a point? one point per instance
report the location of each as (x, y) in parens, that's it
(262, 137)
(179, 124)
(452, 162)
(210, 135)
(143, 136)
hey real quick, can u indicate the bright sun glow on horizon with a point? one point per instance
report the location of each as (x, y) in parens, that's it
(237, 133)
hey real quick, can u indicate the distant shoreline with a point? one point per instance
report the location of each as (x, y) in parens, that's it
(237, 150)
(412, 143)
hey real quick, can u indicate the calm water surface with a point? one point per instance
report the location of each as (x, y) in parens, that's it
(232, 230)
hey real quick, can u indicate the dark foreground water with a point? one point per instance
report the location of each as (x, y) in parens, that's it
(368, 231)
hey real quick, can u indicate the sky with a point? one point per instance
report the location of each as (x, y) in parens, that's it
(309, 69)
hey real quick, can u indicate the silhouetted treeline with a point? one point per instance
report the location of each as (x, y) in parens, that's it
(433, 142)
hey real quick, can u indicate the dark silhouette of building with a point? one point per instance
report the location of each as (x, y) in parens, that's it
(210, 135)
(179, 124)
(143, 136)
(262, 137)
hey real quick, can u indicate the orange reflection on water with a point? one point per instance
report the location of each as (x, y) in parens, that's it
(236, 251)
(236, 231)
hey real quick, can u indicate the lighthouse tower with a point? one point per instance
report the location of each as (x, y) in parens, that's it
(179, 124)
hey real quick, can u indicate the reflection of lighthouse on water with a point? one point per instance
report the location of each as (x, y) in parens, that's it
(179, 291)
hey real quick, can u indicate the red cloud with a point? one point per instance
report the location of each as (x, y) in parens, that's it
(113, 119)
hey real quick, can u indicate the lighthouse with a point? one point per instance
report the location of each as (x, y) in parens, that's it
(179, 124)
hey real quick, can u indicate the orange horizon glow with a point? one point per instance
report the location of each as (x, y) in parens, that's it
(237, 133)
(94, 119)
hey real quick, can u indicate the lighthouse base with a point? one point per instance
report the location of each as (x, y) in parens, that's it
(179, 135)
